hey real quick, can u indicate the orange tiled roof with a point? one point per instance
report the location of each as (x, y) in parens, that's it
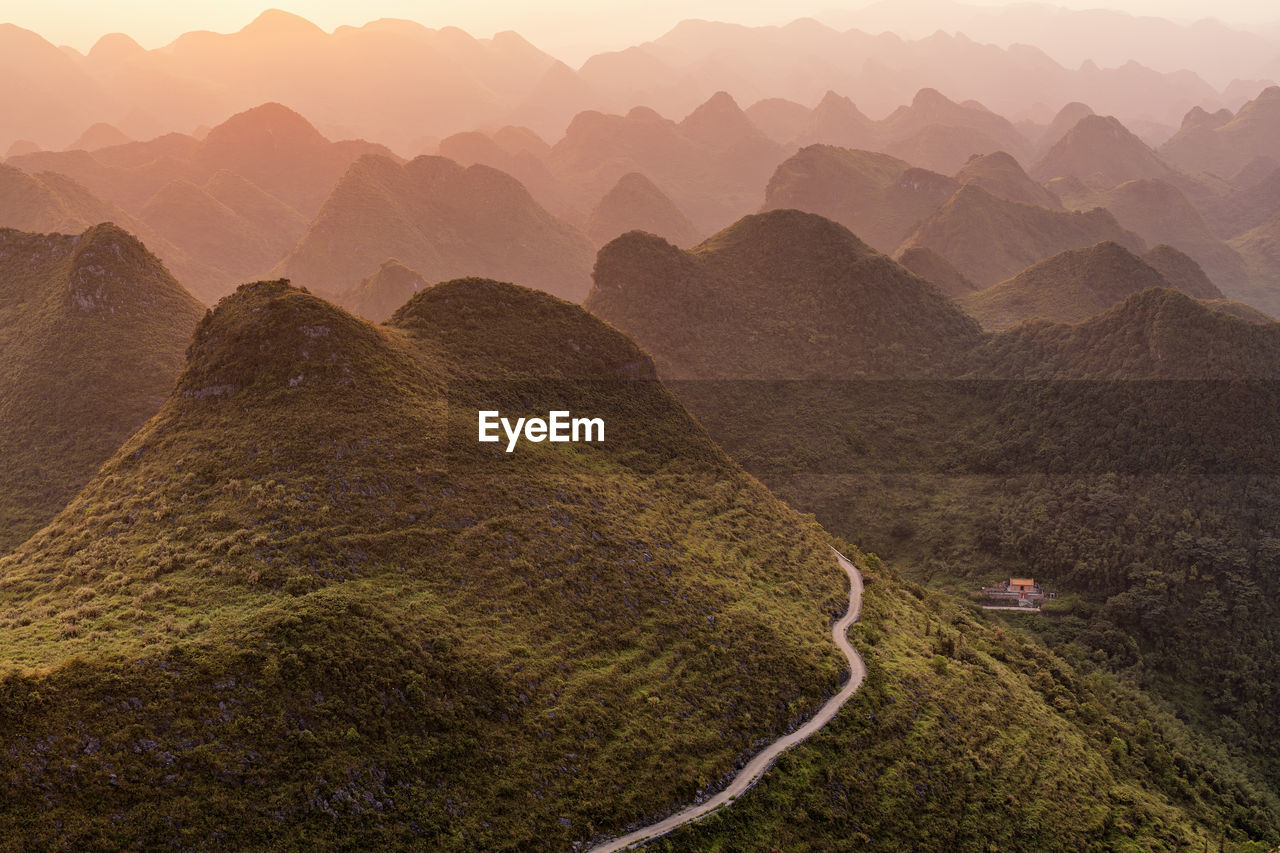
(1021, 582)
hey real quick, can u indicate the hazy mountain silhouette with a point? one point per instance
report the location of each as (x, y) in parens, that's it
(228, 207)
(1260, 248)
(878, 197)
(1000, 175)
(1063, 121)
(442, 220)
(100, 135)
(49, 98)
(781, 120)
(1101, 152)
(989, 239)
(1216, 51)
(355, 81)
(519, 152)
(92, 334)
(837, 121)
(400, 83)
(635, 204)
(712, 164)
(1158, 212)
(938, 133)
(1223, 146)
(270, 145)
(377, 297)
(802, 60)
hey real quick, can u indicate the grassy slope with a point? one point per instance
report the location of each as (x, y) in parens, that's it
(302, 605)
(968, 736)
(92, 334)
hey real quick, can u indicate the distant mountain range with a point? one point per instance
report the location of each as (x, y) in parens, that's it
(1218, 52)
(353, 81)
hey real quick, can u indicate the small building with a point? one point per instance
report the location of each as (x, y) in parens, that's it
(1017, 592)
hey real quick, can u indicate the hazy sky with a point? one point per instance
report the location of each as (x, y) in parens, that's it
(553, 25)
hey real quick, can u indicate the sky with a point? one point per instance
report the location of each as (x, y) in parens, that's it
(571, 29)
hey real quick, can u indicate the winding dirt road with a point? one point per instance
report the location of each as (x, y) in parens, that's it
(763, 760)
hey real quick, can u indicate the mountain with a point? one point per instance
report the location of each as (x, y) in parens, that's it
(802, 60)
(1063, 121)
(1158, 212)
(353, 82)
(100, 135)
(837, 121)
(520, 153)
(377, 297)
(304, 585)
(878, 197)
(727, 308)
(1156, 334)
(49, 202)
(1260, 248)
(399, 83)
(936, 270)
(1224, 147)
(1000, 175)
(779, 119)
(966, 481)
(904, 756)
(1217, 51)
(937, 133)
(1179, 269)
(1246, 206)
(1102, 153)
(49, 97)
(712, 164)
(442, 220)
(92, 334)
(635, 204)
(270, 145)
(989, 239)
(281, 152)
(1069, 287)
(217, 211)
(20, 147)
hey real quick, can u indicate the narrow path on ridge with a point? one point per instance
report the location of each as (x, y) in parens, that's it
(763, 760)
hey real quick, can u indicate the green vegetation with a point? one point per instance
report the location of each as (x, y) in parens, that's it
(92, 334)
(967, 735)
(1127, 462)
(304, 606)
